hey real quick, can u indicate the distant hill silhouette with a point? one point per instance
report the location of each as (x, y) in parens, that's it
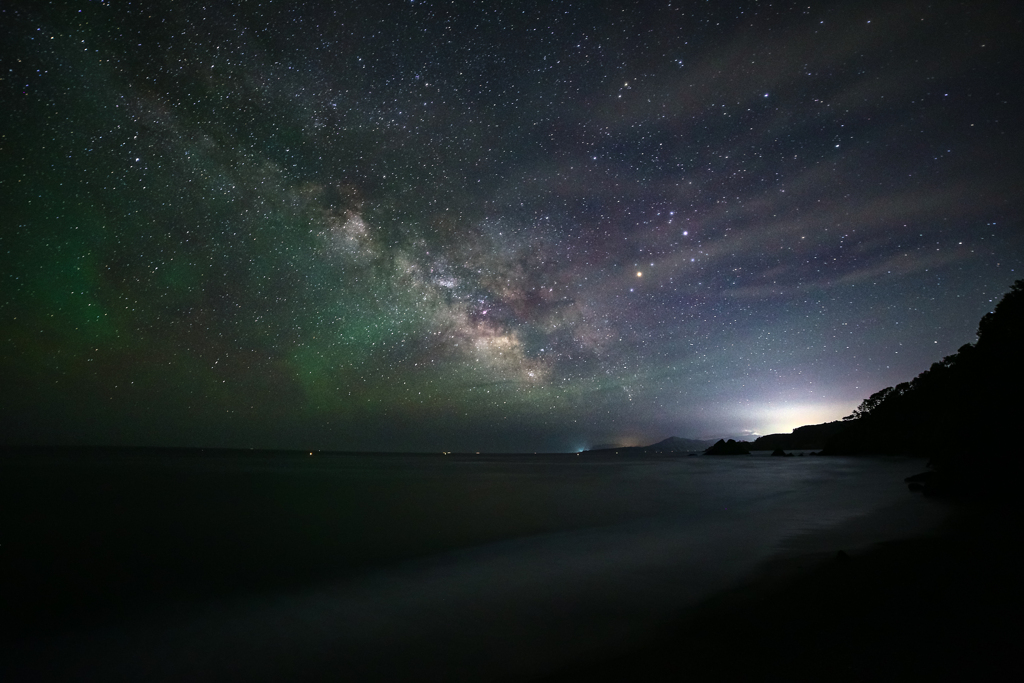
(963, 411)
(673, 444)
(608, 446)
(802, 438)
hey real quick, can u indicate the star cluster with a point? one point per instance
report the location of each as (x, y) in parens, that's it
(493, 226)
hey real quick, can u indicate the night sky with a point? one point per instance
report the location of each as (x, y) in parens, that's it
(490, 226)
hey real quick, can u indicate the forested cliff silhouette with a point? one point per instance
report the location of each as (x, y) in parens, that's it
(965, 411)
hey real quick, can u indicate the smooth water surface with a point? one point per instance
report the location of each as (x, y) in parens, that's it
(391, 567)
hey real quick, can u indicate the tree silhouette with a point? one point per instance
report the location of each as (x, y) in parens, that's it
(962, 411)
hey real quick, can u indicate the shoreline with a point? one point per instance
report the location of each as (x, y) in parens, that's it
(635, 629)
(926, 607)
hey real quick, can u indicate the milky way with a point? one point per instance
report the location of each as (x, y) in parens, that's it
(493, 226)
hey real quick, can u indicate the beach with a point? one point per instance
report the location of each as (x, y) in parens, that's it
(464, 568)
(941, 607)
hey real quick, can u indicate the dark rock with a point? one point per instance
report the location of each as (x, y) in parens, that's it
(802, 438)
(730, 447)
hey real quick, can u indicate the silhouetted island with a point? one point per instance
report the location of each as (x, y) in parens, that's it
(808, 437)
(730, 447)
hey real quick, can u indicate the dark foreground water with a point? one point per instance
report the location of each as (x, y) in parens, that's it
(148, 567)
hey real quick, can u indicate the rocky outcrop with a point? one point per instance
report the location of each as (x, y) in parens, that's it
(730, 447)
(801, 439)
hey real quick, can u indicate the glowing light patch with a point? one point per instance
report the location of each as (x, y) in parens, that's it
(784, 418)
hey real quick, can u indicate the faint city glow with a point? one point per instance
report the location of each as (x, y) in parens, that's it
(781, 418)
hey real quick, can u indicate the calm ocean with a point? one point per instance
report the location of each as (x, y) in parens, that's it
(392, 567)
